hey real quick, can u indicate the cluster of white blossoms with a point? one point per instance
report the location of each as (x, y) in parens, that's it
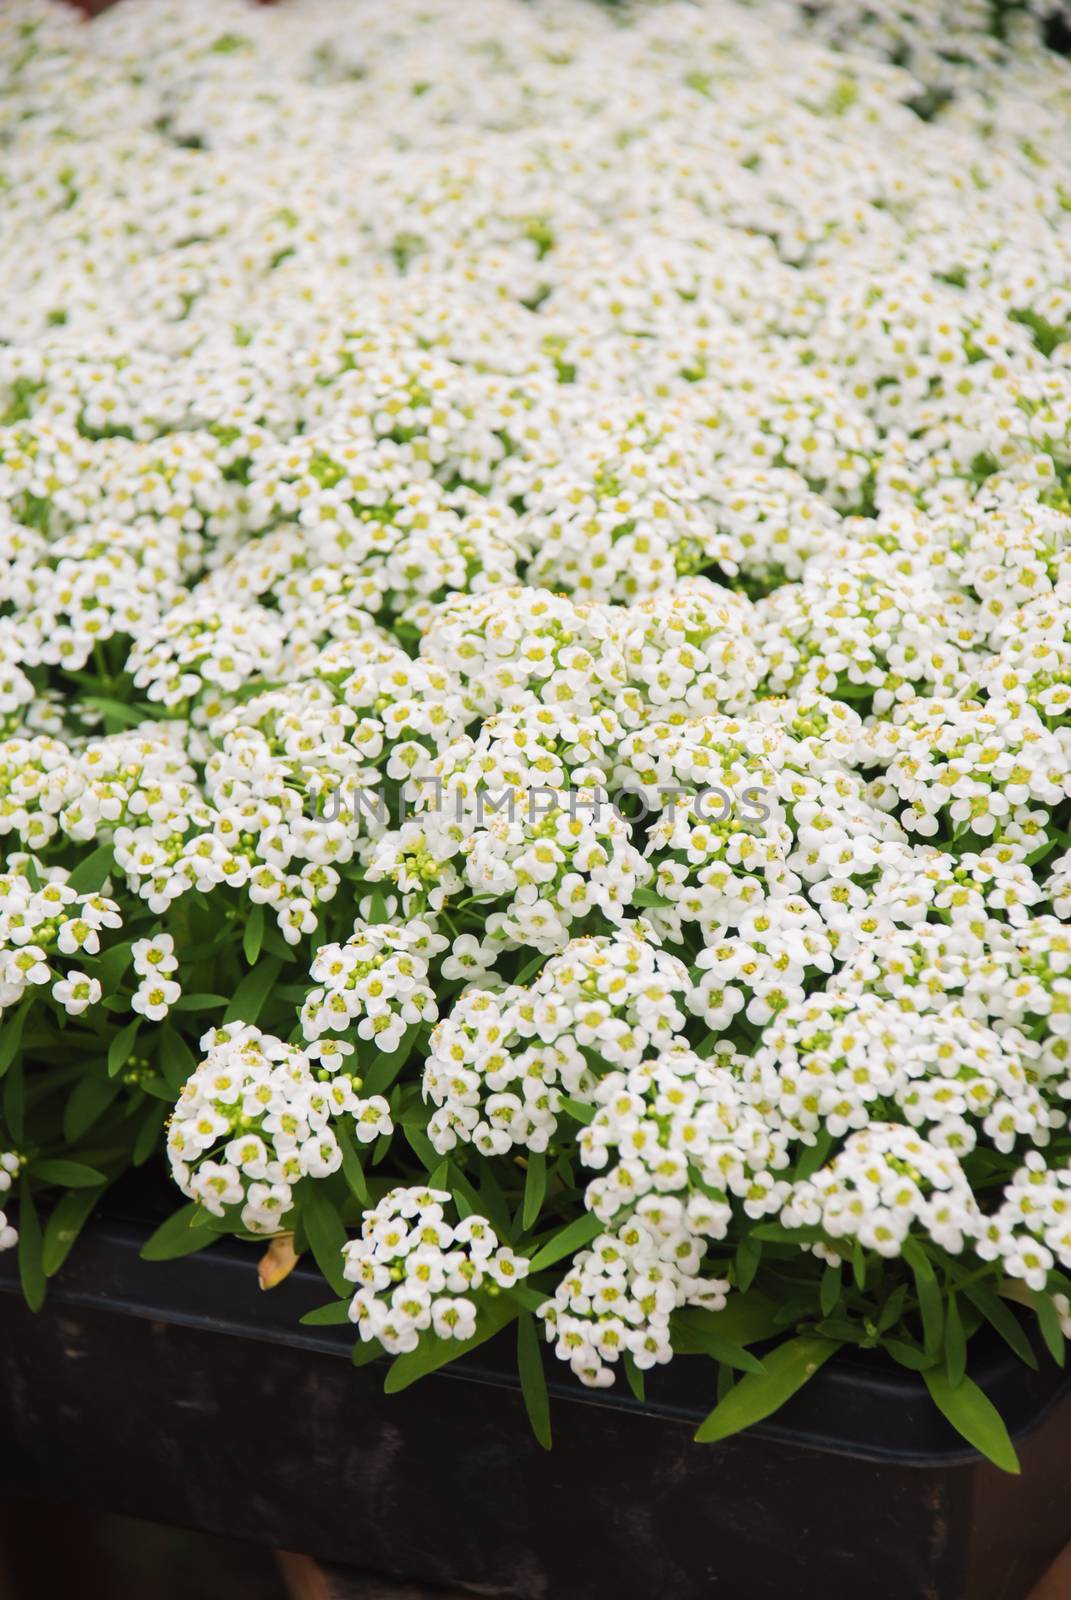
(618, 1296)
(374, 985)
(254, 1120)
(535, 563)
(499, 1065)
(416, 1272)
(9, 1171)
(45, 926)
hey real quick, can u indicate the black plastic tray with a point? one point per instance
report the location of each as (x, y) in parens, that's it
(180, 1392)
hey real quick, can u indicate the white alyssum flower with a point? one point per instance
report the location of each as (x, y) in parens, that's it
(418, 1273)
(253, 1121)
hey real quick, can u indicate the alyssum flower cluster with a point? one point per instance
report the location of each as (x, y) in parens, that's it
(422, 427)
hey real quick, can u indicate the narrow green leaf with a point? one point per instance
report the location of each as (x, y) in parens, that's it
(973, 1415)
(325, 1231)
(112, 964)
(121, 1046)
(253, 934)
(178, 1236)
(422, 1148)
(535, 1189)
(65, 1222)
(68, 1174)
(1049, 1323)
(200, 1002)
(253, 991)
(931, 1301)
(14, 1102)
(88, 1101)
(748, 1256)
(908, 1355)
(746, 1319)
(365, 1352)
(692, 1338)
(787, 1369)
(433, 1352)
(352, 1170)
(31, 1249)
(148, 1136)
(955, 1344)
(437, 1178)
(332, 1315)
(829, 1290)
(527, 1298)
(533, 1378)
(383, 1071)
(566, 1242)
(11, 1027)
(634, 1376)
(578, 1110)
(91, 872)
(814, 1156)
(1000, 1316)
(177, 1060)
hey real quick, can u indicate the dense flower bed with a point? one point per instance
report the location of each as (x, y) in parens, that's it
(535, 669)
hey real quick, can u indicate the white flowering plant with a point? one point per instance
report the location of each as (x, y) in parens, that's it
(535, 671)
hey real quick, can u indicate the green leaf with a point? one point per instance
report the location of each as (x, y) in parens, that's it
(908, 1355)
(200, 1002)
(858, 1266)
(253, 935)
(566, 1242)
(15, 1102)
(121, 1046)
(955, 1344)
(88, 1100)
(1049, 1323)
(352, 1170)
(746, 1319)
(179, 1236)
(31, 1249)
(829, 1290)
(11, 1035)
(112, 963)
(149, 1132)
(931, 1301)
(325, 1232)
(65, 1223)
(814, 1156)
(527, 1298)
(90, 873)
(974, 1416)
(578, 1110)
(422, 1148)
(748, 1256)
(118, 713)
(787, 1369)
(382, 1073)
(177, 1060)
(690, 1336)
(366, 1351)
(433, 1352)
(253, 991)
(634, 1377)
(332, 1315)
(69, 1174)
(1000, 1316)
(530, 969)
(533, 1378)
(535, 1189)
